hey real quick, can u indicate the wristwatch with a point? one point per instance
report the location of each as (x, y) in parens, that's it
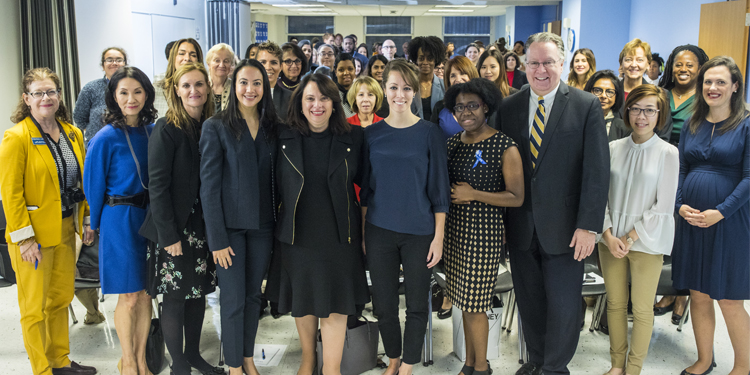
(629, 240)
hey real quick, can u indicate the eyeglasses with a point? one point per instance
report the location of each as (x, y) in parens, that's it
(547, 64)
(326, 54)
(649, 112)
(289, 62)
(598, 92)
(111, 60)
(389, 47)
(40, 94)
(471, 107)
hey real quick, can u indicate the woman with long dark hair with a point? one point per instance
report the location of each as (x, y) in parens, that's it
(115, 181)
(711, 246)
(492, 67)
(294, 65)
(516, 76)
(605, 85)
(321, 272)
(344, 74)
(582, 67)
(180, 265)
(238, 149)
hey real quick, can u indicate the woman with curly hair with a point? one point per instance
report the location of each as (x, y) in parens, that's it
(428, 52)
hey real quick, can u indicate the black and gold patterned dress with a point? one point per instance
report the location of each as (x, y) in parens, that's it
(474, 231)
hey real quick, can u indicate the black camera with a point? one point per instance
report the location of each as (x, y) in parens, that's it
(71, 196)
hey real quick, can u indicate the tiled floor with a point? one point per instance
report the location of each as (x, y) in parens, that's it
(670, 352)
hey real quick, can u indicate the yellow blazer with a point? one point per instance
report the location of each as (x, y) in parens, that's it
(30, 188)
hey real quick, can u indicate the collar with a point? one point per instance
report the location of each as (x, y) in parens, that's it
(547, 98)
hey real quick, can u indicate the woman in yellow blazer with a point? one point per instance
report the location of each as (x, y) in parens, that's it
(40, 184)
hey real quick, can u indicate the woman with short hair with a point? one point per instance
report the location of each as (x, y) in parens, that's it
(40, 182)
(220, 62)
(405, 196)
(638, 225)
(365, 98)
(428, 52)
(115, 181)
(582, 67)
(710, 253)
(88, 112)
(486, 175)
(516, 76)
(180, 265)
(605, 85)
(293, 66)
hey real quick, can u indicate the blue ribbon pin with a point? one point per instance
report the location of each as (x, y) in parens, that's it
(478, 155)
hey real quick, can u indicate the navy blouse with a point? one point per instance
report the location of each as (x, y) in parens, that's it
(406, 177)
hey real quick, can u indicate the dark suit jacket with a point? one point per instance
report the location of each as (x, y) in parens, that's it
(174, 181)
(281, 100)
(229, 180)
(568, 188)
(617, 129)
(519, 79)
(344, 170)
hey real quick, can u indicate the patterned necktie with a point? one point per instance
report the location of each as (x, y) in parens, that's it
(537, 131)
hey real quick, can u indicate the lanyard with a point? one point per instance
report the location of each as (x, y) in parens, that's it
(63, 180)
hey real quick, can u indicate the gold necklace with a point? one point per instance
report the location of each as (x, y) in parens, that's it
(679, 97)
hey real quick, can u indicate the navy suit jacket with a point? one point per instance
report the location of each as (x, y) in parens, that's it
(569, 186)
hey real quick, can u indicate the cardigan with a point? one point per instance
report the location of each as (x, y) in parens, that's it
(642, 189)
(88, 113)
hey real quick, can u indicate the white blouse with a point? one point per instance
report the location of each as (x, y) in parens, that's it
(642, 189)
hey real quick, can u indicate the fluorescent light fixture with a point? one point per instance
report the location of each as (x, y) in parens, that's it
(313, 10)
(450, 11)
(460, 6)
(298, 5)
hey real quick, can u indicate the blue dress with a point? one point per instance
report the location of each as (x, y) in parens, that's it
(714, 174)
(110, 170)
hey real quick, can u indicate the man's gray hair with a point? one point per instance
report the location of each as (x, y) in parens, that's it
(545, 37)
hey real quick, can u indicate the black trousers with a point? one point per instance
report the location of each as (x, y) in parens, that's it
(548, 290)
(386, 252)
(240, 291)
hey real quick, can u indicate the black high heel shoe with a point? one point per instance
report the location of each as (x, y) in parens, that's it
(444, 313)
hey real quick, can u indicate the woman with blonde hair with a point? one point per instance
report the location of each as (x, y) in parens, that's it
(40, 182)
(220, 61)
(180, 265)
(365, 97)
(582, 67)
(183, 51)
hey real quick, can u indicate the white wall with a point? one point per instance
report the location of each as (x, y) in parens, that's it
(346, 25)
(10, 44)
(426, 26)
(276, 27)
(510, 24)
(571, 9)
(141, 27)
(246, 29)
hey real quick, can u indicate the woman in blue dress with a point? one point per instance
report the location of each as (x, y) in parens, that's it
(711, 253)
(115, 182)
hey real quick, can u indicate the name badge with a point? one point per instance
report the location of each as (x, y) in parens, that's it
(38, 141)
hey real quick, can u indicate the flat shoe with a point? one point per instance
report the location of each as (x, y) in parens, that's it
(659, 311)
(445, 313)
(710, 368)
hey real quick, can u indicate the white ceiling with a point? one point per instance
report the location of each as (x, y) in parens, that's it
(390, 7)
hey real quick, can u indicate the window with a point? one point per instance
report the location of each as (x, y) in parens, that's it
(464, 30)
(302, 27)
(397, 29)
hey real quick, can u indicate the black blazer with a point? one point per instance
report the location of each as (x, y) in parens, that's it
(569, 186)
(519, 79)
(344, 170)
(229, 180)
(281, 98)
(174, 181)
(617, 129)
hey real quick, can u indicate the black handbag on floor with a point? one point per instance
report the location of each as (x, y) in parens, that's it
(155, 346)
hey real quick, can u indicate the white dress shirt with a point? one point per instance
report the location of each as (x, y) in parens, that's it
(549, 99)
(642, 189)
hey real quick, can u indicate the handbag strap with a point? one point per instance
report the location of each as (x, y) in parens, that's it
(135, 158)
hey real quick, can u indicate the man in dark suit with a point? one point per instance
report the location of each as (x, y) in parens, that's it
(269, 54)
(561, 135)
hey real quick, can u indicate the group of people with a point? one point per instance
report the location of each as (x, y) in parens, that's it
(304, 165)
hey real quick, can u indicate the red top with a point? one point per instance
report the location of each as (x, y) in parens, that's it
(354, 120)
(510, 76)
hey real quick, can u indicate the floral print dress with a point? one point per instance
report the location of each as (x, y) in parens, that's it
(190, 275)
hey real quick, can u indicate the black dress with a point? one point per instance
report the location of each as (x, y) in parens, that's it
(319, 274)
